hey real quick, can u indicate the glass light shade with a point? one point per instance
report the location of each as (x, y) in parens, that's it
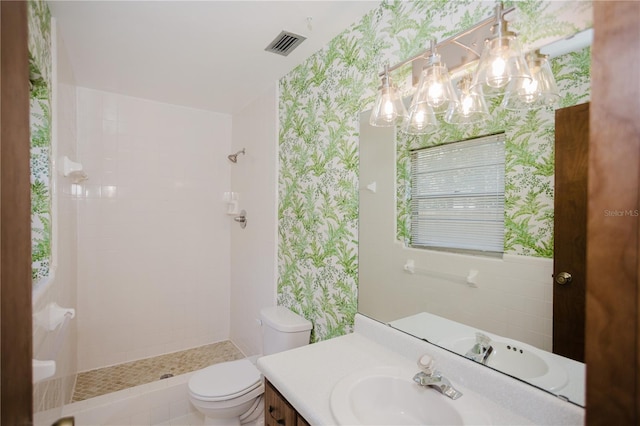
(501, 62)
(388, 109)
(434, 87)
(539, 92)
(421, 120)
(470, 108)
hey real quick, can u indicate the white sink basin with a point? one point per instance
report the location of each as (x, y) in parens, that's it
(518, 360)
(388, 396)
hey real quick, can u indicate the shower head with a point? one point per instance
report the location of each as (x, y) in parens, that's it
(234, 157)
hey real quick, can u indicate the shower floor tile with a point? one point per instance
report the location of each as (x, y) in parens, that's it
(98, 382)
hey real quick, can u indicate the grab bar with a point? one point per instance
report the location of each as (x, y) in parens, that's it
(471, 279)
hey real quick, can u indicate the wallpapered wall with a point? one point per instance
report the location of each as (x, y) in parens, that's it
(40, 124)
(318, 178)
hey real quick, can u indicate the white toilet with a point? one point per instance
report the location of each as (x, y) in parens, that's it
(230, 393)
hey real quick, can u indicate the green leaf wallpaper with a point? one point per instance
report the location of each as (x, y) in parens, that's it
(320, 102)
(39, 41)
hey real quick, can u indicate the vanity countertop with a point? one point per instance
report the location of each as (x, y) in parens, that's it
(307, 375)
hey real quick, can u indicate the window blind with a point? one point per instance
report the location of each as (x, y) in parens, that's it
(457, 195)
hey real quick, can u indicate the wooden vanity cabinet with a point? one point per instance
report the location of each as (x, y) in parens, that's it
(278, 411)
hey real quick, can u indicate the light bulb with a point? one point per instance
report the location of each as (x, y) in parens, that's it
(421, 119)
(434, 87)
(436, 94)
(466, 104)
(530, 91)
(539, 91)
(498, 76)
(471, 108)
(543, 78)
(501, 61)
(388, 109)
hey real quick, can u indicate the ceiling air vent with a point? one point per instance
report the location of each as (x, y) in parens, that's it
(285, 43)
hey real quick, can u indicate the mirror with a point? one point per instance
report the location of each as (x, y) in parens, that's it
(447, 298)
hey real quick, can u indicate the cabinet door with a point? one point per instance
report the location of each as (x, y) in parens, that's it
(277, 411)
(301, 421)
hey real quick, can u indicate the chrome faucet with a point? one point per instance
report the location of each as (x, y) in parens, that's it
(431, 377)
(482, 349)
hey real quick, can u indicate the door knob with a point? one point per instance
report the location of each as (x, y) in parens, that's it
(563, 278)
(65, 421)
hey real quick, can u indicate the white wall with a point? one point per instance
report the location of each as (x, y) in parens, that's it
(253, 249)
(61, 289)
(153, 264)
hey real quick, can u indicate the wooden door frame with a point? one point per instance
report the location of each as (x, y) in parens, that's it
(613, 258)
(15, 218)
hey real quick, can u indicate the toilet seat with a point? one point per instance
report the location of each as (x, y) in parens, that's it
(225, 381)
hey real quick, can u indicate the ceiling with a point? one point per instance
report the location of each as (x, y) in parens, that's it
(203, 54)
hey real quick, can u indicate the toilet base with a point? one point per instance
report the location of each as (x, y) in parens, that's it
(254, 416)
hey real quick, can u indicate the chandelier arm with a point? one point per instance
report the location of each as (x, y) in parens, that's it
(469, 49)
(453, 39)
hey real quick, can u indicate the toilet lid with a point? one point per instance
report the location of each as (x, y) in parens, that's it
(225, 380)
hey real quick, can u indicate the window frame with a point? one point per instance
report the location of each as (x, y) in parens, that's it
(498, 138)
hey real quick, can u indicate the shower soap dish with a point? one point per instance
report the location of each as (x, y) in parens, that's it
(73, 170)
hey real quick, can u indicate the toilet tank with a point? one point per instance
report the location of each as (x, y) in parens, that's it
(283, 330)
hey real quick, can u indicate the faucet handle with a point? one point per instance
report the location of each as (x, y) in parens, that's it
(427, 364)
(481, 349)
(483, 339)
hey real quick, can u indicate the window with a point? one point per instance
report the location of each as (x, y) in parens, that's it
(457, 195)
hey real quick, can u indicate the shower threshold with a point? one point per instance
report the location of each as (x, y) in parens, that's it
(101, 381)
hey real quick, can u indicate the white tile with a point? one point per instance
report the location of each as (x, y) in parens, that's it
(109, 106)
(109, 189)
(538, 308)
(141, 419)
(184, 420)
(159, 414)
(179, 408)
(159, 397)
(118, 420)
(46, 418)
(89, 104)
(159, 385)
(94, 416)
(110, 145)
(92, 191)
(124, 408)
(110, 127)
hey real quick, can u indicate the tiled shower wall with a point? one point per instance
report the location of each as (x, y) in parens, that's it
(153, 237)
(253, 249)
